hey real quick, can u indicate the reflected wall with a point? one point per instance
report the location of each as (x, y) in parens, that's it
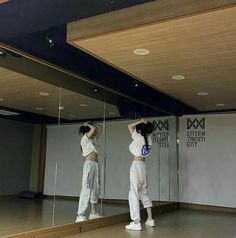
(26, 106)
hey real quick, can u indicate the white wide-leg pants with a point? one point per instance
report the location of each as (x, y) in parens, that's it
(138, 189)
(90, 186)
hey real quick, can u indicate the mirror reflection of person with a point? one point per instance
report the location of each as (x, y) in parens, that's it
(90, 178)
(140, 148)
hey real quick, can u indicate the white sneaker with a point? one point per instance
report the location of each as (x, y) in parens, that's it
(80, 218)
(134, 226)
(94, 216)
(150, 223)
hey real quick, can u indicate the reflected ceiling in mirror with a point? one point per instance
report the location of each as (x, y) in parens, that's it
(28, 94)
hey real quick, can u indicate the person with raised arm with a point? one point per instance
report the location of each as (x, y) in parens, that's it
(90, 178)
(140, 148)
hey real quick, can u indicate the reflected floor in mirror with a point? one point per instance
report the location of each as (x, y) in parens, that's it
(19, 215)
(179, 224)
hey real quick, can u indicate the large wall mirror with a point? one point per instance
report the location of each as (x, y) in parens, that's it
(46, 179)
(27, 105)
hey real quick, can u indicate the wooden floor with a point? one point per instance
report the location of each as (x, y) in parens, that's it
(24, 215)
(180, 224)
(20, 215)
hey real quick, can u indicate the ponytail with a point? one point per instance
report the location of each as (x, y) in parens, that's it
(145, 130)
(144, 134)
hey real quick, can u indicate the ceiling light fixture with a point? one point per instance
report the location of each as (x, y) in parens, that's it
(141, 51)
(135, 84)
(39, 108)
(44, 94)
(177, 77)
(61, 108)
(95, 90)
(8, 113)
(50, 41)
(220, 104)
(202, 94)
(1, 99)
(72, 115)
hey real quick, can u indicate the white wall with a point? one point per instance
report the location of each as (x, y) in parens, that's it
(208, 171)
(119, 160)
(63, 148)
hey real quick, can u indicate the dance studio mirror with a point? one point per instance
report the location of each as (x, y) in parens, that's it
(42, 162)
(27, 105)
(41, 143)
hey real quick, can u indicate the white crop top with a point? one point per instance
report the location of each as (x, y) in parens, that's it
(89, 145)
(137, 147)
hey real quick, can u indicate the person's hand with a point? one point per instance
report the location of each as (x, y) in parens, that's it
(143, 121)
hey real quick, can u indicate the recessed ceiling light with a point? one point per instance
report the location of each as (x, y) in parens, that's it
(141, 51)
(136, 84)
(220, 104)
(95, 90)
(44, 94)
(39, 108)
(202, 93)
(61, 108)
(8, 113)
(83, 105)
(72, 115)
(1, 99)
(177, 77)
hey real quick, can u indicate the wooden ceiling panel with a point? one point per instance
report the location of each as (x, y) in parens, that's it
(22, 92)
(200, 47)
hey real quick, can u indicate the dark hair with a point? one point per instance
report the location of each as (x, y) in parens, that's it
(145, 130)
(84, 129)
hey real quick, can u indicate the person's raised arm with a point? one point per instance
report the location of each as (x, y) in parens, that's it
(92, 129)
(98, 129)
(131, 127)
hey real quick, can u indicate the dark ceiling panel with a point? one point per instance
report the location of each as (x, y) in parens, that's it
(20, 17)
